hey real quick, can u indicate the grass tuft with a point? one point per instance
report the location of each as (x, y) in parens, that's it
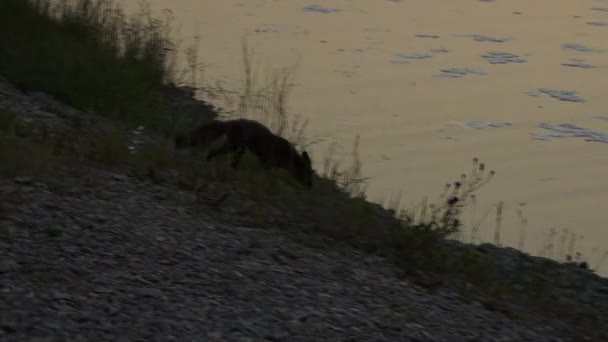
(91, 56)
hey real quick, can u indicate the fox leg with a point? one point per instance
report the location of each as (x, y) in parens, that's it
(222, 150)
(238, 153)
(240, 150)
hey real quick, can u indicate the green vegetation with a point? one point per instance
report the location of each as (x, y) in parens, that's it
(91, 56)
(94, 58)
(88, 54)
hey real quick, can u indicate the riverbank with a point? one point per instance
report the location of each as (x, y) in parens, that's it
(105, 230)
(102, 254)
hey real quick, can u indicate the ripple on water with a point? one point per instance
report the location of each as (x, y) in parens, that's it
(496, 57)
(426, 35)
(460, 72)
(569, 130)
(484, 38)
(404, 58)
(598, 23)
(579, 47)
(414, 55)
(562, 95)
(319, 9)
(600, 117)
(478, 124)
(578, 63)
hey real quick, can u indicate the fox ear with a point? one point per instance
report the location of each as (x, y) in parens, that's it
(179, 140)
(306, 157)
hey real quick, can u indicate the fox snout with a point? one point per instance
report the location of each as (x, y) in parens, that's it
(305, 172)
(181, 141)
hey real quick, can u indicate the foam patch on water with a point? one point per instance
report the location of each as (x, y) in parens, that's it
(562, 95)
(496, 57)
(600, 117)
(266, 28)
(568, 130)
(602, 9)
(319, 9)
(405, 58)
(598, 23)
(578, 63)
(484, 38)
(476, 124)
(414, 55)
(479, 124)
(426, 35)
(579, 47)
(460, 72)
(441, 50)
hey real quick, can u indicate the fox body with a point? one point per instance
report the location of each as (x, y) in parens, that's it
(241, 135)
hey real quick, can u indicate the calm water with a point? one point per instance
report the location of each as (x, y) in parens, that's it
(375, 68)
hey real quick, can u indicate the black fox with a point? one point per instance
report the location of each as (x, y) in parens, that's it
(243, 134)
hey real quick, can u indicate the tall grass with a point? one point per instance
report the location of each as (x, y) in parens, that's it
(263, 96)
(445, 215)
(90, 55)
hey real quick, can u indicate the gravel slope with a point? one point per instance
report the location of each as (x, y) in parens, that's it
(95, 256)
(114, 259)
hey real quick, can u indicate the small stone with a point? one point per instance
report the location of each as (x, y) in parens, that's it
(216, 335)
(8, 328)
(103, 290)
(121, 178)
(61, 296)
(41, 339)
(150, 292)
(278, 336)
(101, 218)
(7, 227)
(24, 180)
(55, 231)
(8, 265)
(602, 290)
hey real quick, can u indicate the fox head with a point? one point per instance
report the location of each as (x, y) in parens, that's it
(303, 170)
(200, 136)
(182, 140)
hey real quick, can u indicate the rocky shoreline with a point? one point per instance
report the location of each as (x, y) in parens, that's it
(93, 255)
